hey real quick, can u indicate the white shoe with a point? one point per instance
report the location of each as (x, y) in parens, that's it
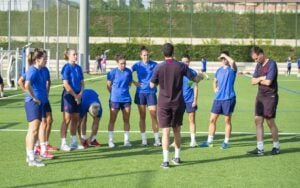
(127, 144)
(36, 163)
(144, 143)
(157, 143)
(111, 144)
(193, 144)
(80, 147)
(65, 147)
(74, 145)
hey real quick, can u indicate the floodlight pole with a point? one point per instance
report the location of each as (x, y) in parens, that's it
(84, 36)
(9, 24)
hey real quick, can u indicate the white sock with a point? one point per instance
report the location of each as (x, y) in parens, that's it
(193, 137)
(30, 154)
(166, 155)
(126, 136)
(276, 144)
(1, 94)
(46, 143)
(226, 140)
(260, 145)
(111, 136)
(210, 139)
(156, 137)
(93, 138)
(83, 137)
(144, 137)
(43, 147)
(37, 143)
(177, 152)
(63, 141)
(73, 139)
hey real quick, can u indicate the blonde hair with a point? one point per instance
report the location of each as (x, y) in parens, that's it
(67, 53)
(94, 109)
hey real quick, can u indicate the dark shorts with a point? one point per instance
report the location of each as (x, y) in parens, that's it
(1, 80)
(148, 99)
(189, 107)
(170, 116)
(33, 111)
(265, 106)
(119, 105)
(225, 107)
(68, 103)
(46, 108)
(289, 68)
(203, 70)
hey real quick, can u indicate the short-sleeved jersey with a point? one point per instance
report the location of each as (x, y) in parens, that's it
(121, 80)
(89, 97)
(35, 77)
(169, 76)
(289, 63)
(226, 78)
(144, 73)
(270, 71)
(74, 75)
(188, 89)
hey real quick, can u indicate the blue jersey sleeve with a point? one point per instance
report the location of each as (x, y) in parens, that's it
(30, 75)
(272, 71)
(65, 73)
(189, 73)
(110, 75)
(134, 67)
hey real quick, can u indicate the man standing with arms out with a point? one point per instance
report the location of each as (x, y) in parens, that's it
(169, 76)
(224, 102)
(265, 76)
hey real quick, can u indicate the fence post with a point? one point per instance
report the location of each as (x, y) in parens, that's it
(57, 39)
(44, 24)
(274, 24)
(296, 27)
(9, 19)
(129, 21)
(29, 21)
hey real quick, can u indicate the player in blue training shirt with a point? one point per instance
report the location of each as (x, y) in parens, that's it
(118, 83)
(73, 84)
(203, 69)
(146, 96)
(224, 101)
(35, 99)
(91, 104)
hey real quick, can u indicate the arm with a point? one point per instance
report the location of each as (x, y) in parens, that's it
(137, 84)
(79, 95)
(29, 89)
(258, 80)
(108, 85)
(152, 85)
(215, 85)
(48, 86)
(195, 95)
(230, 60)
(21, 83)
(199, 77)
(68, 88)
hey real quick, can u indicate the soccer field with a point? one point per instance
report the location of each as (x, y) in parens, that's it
(139, 166)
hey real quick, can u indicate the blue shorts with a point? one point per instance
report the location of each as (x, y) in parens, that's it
(119, 105)
(33, 111)
(46, 108)
(225, 107)
(68, 103)
(148, 99)
(189, 107)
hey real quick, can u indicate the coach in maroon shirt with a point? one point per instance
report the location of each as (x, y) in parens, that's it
(169, 75)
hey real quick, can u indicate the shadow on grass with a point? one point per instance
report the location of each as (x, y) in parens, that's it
(52, 183)
(283, 152)
(9, 101)
(9, 125)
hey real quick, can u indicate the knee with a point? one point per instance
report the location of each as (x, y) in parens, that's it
(212, 120)
(258, 121)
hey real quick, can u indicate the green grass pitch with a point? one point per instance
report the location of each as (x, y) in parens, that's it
(139, 166)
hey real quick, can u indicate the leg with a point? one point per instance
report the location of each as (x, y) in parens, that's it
(177, 138)
(142, 123)
(212, 124)
(153, 114)
(111, 126)
(274, 130)
(228, 127)
(259, 121)
(82, 127)
(126, 117)
(31, 138)
(49, 120)
(64, 125)
(192, 128)
(95, 127)
(165, 143)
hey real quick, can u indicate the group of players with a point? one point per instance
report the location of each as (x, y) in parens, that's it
(178, 92)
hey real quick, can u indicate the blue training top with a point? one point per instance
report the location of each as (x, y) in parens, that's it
(89, 97)
(203, 64)
(74, 75)
(144, 73)
(38, 86)
(226, 78)
(120, 84)
(188, 90)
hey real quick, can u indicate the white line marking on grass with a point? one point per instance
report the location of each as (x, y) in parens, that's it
(149, 132)
(56, 86)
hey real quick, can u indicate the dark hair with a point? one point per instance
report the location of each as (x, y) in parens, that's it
(186, 56)
(38, 53)
(168, 50)
(118, 57)
(143, 48)
(225, 52)
(257, 50)
(67, 52)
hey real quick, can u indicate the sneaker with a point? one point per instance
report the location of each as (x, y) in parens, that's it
(127, 144)
(206, 144)
(176, 161)
(85, 144)
(37, 150)
(95, 143)
(74, 145)
(275, 151)
(111, 144)
(193, 144)
(157, 143)
(256, 152)
(46, 155)
(49, 147)
(65, 147)
(36, 163)
(224, 145)
(165, 165)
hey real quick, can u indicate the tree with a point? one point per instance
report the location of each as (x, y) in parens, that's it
(136, 4)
